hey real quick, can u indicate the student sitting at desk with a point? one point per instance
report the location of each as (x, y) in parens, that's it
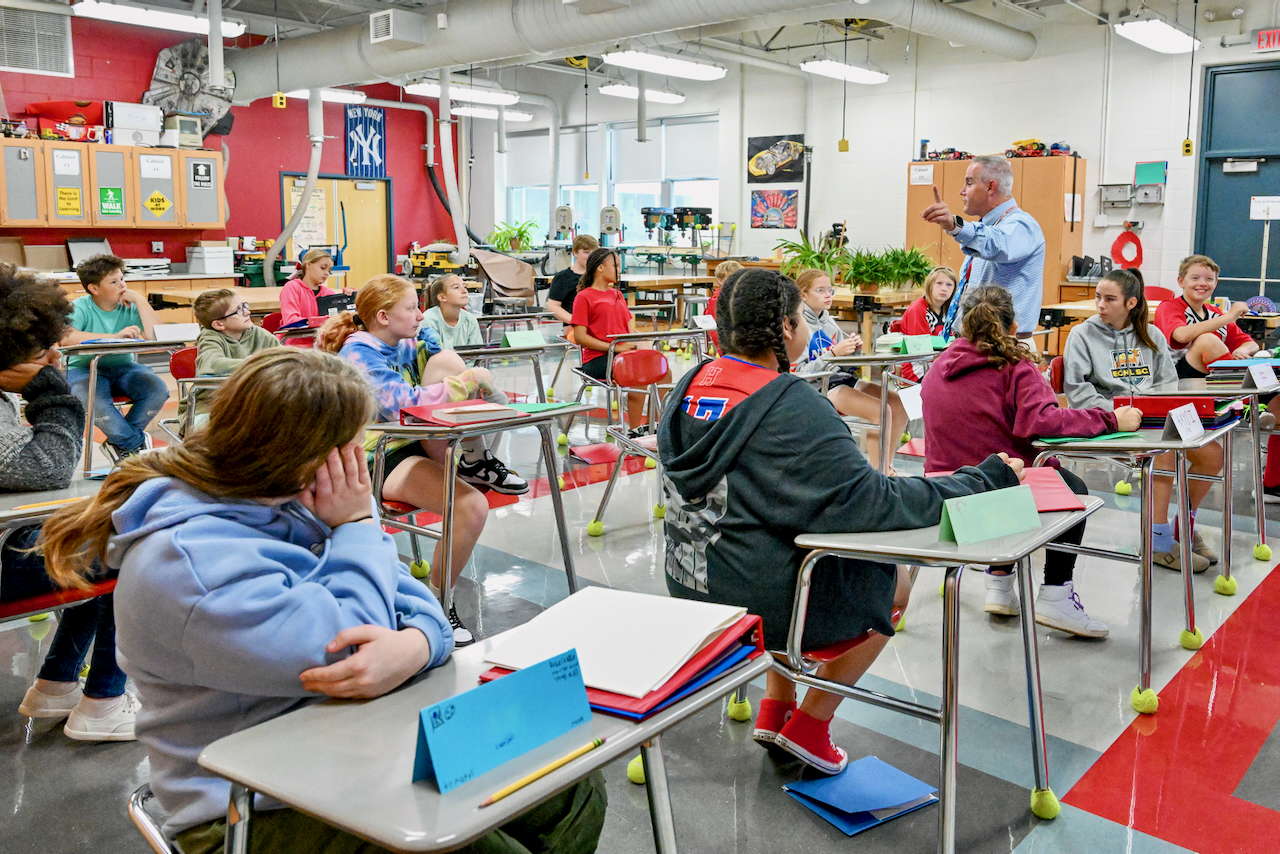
(850, 395)
(1199, 333)
(255, 579)
(599, 313)
(985, 394)
(924, 316)
(406, 367)
(299, 294)
(448, 316)
(724, 270)
(1114, 354)
(36, 458)
(227, 337)
(111, 310)
(564, 286)
(739, 475)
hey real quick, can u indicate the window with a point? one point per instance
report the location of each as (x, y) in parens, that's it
(529, 203)
(35, 42)
(585, 201)
(630, 198)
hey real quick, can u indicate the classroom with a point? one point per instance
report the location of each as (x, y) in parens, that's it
(704, 425)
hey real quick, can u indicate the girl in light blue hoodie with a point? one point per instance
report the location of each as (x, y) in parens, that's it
(254, 579)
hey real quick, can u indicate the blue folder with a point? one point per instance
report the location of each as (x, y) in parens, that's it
(867, 793)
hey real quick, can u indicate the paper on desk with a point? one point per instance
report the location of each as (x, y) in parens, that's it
(627, 643)
(176, 333)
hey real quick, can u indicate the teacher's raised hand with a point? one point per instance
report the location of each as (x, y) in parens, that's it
(938, 212)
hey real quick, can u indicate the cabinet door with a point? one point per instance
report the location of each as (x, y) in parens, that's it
(159, 200)
(113, 185)
(67, 182)
(22, 201)
(922, 235)
(203, 205)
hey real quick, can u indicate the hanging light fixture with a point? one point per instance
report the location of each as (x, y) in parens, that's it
(622, 89)
(662, 63)
(840, 71)
(466, 92)
(333, 96)
(492, 113)
(1155, 33)
(159, 19)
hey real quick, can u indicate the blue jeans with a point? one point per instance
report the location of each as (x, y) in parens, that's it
(132, 380)
(22, 575)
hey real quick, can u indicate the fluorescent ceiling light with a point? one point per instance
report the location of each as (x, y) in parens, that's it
(1157, 35)
(490, 113)
(626, 90)
(840, 71)
(661, 63)
(333, 96)
(155, 18)
(463, 92)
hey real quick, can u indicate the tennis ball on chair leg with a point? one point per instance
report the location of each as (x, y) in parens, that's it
(420, 569)
(1225, 585)
(595, 528)
(1144, 702)
(1124, 488)
(1044, 803)
(1262, 551)
(635, 771)
(740, 712)
(562, 439)
(1191, 640)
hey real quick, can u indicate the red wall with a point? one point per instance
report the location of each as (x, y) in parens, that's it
(114, 62)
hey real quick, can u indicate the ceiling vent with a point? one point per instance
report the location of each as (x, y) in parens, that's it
(397, 29)
(35, 42)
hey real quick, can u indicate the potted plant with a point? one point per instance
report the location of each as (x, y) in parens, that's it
(518, 235)
(864, 269)
(803, 255)
(906, 268)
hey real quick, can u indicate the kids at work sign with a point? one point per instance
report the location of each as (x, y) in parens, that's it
(158, 203)
(462, 737)
(111, 201)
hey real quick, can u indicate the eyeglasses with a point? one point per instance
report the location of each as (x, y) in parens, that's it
(243, 308)
(824, 292)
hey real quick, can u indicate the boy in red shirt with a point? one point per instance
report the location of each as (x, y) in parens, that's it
(1199, 334)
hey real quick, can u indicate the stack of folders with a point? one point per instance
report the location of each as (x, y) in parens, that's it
(1231, 372)
(866, 793)
(639, 653)
(450, 414)
(1212, 413)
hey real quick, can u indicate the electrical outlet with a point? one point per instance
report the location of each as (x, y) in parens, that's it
(157, 246)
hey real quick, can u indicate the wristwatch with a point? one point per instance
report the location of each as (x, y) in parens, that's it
(959, 225)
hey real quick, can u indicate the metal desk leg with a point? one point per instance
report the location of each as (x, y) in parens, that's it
(884, 422)
(655, 775)
(1225, 584)
(537, 376)
(239, 815)
(451, 456)
(1043, 802)
(89, 413)
(557, 504)
(950, 709)
(1146, 471)
(1190, 637)
(1261, 552)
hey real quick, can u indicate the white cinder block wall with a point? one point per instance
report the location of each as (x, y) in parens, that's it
(955, 97)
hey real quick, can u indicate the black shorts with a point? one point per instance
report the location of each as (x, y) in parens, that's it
(596, 367)
(1186, 372)
(399, 455)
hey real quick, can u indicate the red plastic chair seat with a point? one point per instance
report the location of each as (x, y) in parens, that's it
(1055, 374)
(56, 599)
(1155, 292)
(833, 651)
(639, 368)
(399, 508)
(182, 364)
(300, 342)
(272, 321)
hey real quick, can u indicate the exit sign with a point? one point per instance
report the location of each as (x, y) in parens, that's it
(1266, 39)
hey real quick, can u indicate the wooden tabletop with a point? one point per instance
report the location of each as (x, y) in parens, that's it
(258, 298)
(1088, 308)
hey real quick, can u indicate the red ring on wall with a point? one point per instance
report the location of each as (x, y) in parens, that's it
(1126, 239)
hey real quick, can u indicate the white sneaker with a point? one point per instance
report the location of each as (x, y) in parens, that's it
(116, 725)
(38, 704)
(461, 634)
(1058, 607)
(1002, 595)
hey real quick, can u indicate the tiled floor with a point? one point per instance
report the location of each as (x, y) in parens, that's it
(1201, 775)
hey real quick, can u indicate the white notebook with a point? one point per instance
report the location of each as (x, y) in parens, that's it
(176, 333)
(627, 643)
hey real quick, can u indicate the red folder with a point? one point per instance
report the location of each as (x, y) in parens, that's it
(1158, 407)
(426, 413)
(747, 630)
(1047, 487)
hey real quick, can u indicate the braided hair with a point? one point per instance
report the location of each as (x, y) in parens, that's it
(988, 319)
(750, 313)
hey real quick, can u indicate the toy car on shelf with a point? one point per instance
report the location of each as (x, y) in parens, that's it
(774, 157)
(1026, 148)
(950, 154)
(1060, 149)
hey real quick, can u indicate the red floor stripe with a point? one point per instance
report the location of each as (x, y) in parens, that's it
(1172, 775)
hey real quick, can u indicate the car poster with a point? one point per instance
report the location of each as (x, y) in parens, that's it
(775, 159)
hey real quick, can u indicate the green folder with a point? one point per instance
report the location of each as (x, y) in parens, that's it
(987, 515)
(538, 407)
(1104, 437)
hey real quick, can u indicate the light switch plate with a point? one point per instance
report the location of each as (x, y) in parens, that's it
(157, 246)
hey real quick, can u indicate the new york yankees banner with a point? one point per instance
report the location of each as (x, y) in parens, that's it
(366, 142)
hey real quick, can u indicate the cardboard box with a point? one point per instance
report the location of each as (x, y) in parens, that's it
(11, 251)
(213, 244)
(49, 259)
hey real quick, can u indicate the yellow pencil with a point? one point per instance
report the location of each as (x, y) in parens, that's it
(541, 772)
(48, 503)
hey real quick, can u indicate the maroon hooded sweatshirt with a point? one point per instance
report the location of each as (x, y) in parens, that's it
(972, 409)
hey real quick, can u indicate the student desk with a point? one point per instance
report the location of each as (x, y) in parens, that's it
(349, 764)
(12, 518)
(488, 321)
(484, 355)
(881, 360)
(921, 547)
(1140, 452)
(453, 437)
(97, 350)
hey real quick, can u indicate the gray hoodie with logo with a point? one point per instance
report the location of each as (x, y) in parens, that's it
(1101, 362)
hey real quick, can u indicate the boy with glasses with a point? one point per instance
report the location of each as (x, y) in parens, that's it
(227, 337)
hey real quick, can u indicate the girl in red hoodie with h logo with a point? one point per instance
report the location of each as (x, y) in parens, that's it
(985, 395)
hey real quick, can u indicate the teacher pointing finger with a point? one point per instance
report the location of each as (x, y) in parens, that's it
(1003, 245)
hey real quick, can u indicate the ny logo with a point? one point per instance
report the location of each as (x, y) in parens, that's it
(365, 148)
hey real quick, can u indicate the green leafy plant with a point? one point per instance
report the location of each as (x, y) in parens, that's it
(803, 255)
(517, 235)
(906, 268)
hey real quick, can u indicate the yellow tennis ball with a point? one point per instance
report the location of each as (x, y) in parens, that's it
(1226, 585)
(635, 771)
(659, 511)
(1191, 640)
(1144, 702)
(650, 463)
(595, 529)
(1124, 488)
(562, 439)
(1044, 803)
(1262, 551)
(561, 481)
(420, 569)
(740, 712)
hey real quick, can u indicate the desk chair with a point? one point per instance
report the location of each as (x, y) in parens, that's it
(146, 823)
(634, 369)
(182, 366)
(1155, 292)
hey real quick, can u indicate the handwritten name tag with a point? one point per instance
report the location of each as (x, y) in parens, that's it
(476, 731)
(1183, 422)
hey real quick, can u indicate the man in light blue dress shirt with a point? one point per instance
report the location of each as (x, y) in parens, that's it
(1004, 246)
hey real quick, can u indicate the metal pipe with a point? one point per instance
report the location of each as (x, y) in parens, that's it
(315, 132)
(949, 731)
(1184, 537)
(463, 253)
(502, 129)
(553, 178)
(428, 115)
(1031, 660)
(1146, 468)
(642, 107)
(216, 73)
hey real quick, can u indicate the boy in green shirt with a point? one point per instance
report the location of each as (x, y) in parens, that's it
(227, 337)
(111, 310)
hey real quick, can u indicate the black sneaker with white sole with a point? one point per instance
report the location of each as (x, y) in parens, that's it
(490, 472)
(461, 634)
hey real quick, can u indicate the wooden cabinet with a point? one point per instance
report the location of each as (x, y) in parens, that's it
(66, 168)
(203, 205)
(22, 183)
(159, 197)
(113, 197)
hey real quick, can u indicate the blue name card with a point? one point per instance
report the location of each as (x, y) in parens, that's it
(462, 737)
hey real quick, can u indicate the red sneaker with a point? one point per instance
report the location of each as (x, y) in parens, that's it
(809, 740)
(773, 714)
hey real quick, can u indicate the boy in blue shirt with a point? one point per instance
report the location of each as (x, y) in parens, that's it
(111, 310)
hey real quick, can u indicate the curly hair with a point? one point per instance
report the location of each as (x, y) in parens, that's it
(33, 315)
(988, 321)
(751, 310)
(93, 270)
